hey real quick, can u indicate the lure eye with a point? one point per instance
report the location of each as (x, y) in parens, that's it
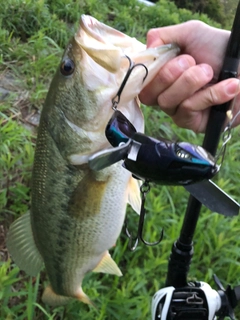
(67, 67)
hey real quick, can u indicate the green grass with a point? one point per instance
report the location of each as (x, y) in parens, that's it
(32, 37)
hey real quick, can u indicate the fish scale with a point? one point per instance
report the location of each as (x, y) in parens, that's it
(77, 213)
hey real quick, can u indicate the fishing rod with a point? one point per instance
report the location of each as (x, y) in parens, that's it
(178, 163)
(180, 299)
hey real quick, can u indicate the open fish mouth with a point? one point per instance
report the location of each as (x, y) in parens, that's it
(108, 35)
(109, 47)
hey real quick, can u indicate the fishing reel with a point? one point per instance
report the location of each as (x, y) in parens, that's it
(196, 301)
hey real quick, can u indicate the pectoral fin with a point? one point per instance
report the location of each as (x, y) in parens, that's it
(134, 198)
(108, 265)
(21, 245)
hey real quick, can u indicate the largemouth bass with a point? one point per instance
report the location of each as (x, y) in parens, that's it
(77, 213)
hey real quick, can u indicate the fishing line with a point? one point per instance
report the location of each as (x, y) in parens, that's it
(227, 132)
(230, 111)
(234, 118)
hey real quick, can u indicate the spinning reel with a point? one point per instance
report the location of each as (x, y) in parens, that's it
(197, 301)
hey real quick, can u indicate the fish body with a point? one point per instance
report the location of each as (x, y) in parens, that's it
(77, 213)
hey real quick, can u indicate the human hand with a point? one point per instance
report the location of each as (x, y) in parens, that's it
(184, 87)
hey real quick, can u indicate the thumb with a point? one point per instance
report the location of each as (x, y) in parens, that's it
(184, 34)
(160, 36)
(177, 33)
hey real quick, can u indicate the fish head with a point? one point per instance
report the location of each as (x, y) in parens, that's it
(90, 74)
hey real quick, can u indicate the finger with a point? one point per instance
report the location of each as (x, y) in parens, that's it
(159, 36)
(193, 112)
(166, 76)
(176, 33)
(206, 44)
(192, 80)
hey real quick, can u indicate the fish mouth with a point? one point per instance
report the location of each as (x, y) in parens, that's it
(100, 31)
(88, 24)
(107, 55)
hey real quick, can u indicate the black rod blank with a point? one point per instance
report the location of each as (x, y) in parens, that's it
(182, 250)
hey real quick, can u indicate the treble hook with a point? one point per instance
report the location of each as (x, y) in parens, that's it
(132, 65)
(145, 188)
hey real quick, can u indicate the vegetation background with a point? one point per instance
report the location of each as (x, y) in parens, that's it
(33, 34)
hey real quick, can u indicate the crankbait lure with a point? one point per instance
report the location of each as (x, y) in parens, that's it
(161, 161)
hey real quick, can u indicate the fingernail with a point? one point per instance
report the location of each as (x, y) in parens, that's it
(207, 69)
(183, 63)
(233, 87)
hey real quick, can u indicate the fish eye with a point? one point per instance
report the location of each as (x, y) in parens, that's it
(67, 67)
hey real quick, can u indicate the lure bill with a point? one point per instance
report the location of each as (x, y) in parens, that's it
(214, 198)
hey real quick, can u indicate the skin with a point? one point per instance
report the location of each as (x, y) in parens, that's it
(185, 87)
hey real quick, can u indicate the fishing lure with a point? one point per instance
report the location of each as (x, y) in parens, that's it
(151, 160)
(167, 162)
(161, 161)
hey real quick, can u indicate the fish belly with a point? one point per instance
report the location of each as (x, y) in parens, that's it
(76, 229)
